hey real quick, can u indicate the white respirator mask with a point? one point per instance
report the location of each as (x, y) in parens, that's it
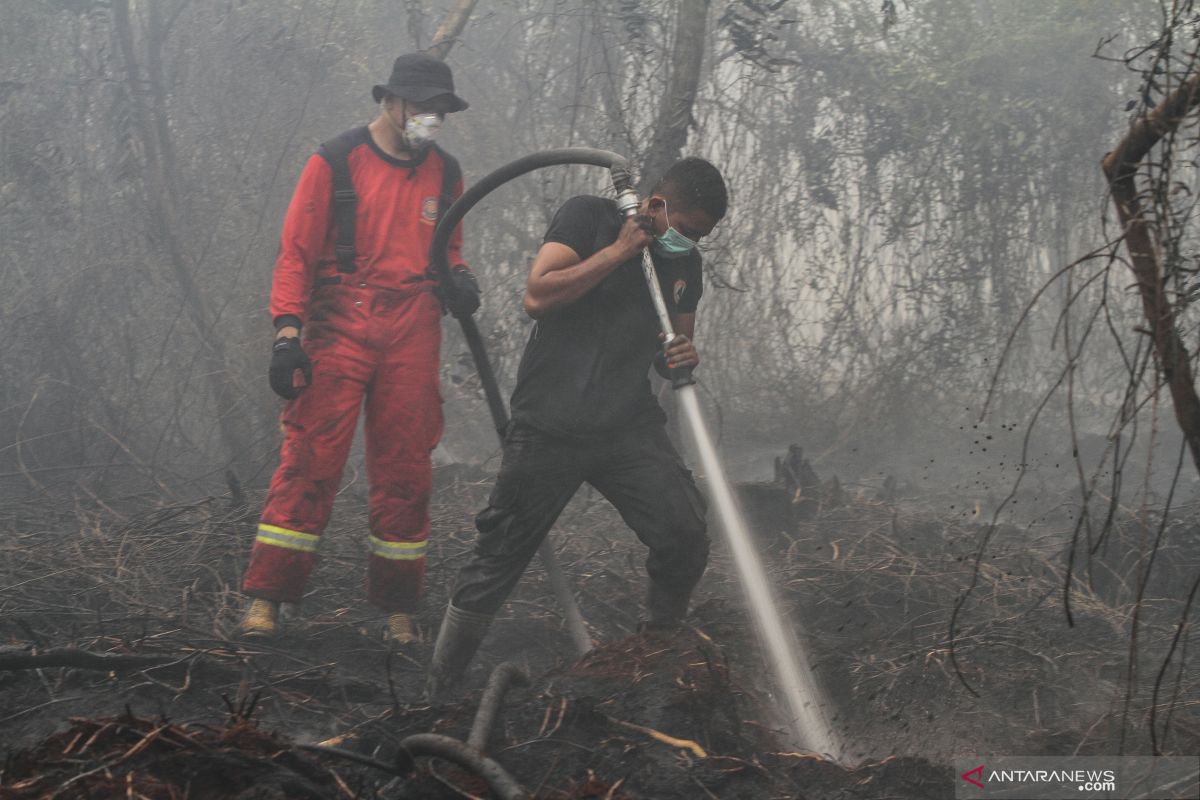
(421, 129)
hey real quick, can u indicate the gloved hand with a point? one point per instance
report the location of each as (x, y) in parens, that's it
(460, 294)
(286, 357)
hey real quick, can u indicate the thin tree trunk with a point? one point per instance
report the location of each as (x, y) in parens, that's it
(161, 200)
(683, 82)
(1120, 166)
(670, 134)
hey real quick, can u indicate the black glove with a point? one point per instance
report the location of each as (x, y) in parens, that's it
(460, 292)
(286, 357)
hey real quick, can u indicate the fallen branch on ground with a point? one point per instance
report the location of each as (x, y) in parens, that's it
(79, 659)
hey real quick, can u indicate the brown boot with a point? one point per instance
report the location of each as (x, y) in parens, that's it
(261, 620)
(399, 629)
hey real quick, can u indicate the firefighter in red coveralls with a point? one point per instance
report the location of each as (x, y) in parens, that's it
(353, 274)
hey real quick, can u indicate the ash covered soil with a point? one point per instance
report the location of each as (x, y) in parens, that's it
(868, 580)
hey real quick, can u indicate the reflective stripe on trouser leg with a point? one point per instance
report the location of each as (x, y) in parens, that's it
(290, 540)
(397, 551)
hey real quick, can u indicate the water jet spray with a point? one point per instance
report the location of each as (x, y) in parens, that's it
(801, 693)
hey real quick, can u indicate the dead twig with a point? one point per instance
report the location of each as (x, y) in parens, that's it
(683, 744)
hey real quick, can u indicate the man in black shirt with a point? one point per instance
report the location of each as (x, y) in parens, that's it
(583, 409)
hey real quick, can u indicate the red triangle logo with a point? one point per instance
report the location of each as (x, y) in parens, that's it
(966, 776)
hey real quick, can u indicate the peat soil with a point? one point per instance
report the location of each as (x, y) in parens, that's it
(181, 708)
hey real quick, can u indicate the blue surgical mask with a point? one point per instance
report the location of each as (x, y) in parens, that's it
(672, 244)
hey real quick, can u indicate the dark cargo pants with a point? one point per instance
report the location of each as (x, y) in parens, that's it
(638, 471)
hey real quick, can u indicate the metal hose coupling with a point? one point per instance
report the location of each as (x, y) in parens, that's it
(627, 199)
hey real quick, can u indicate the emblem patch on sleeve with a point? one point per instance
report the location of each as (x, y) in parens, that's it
(679, 289)
(429, 210)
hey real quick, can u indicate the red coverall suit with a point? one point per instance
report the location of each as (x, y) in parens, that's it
(374, 334)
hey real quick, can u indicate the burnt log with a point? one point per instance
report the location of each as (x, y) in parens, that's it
(797, 493)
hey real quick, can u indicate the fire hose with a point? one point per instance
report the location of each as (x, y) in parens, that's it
(619, 168)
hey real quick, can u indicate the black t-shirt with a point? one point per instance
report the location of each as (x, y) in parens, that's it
(585, 369)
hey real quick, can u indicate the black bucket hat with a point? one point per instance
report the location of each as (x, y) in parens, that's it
(419, 77)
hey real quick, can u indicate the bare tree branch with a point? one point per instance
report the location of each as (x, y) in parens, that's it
(450, 29)
(1120, 166)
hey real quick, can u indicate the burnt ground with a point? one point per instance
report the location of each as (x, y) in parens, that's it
(868, 578)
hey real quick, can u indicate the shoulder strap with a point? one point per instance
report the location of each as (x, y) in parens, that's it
(451, 175)
(345, 202)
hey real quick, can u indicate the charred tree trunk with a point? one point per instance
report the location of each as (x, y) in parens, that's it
(1120, 166)
(683, 80)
